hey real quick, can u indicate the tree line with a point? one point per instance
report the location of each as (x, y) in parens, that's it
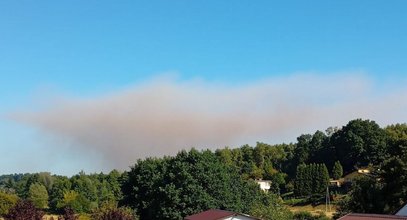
(172, 187)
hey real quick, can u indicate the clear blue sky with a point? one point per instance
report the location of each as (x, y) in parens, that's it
(88, 47)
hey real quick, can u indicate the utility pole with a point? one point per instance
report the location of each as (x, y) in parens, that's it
(327, 200)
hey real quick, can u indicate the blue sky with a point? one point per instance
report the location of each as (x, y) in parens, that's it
(90, 49)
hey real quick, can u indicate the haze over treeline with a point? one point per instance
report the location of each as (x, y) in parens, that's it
(165, 115)
(172, 187)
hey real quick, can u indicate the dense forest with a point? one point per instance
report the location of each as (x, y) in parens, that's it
(173, 187)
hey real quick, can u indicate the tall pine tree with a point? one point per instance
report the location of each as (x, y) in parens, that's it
(311, 179)
(337, 170)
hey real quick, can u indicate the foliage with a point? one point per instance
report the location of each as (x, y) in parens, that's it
(24, 210)
(303, 215)
(69, 214)
(87, 192)
(385, 190)
(394, 180)
(38, 195)
(7, 201)
(360, 143)
(60, 187)
(109, 210)
(270, 207)
(337, 170)
(172, 188)
(365, 197)
(76, 201)
(311, 179)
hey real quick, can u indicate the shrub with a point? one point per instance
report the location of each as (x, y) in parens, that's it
(7, 201)
(24, 210)
(110, 211)
(303, 215)
(69, 214)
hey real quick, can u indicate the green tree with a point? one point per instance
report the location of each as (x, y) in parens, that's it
(114, 184)
(256, 172)
(259, 154)
(317, 144)
(76, 201)
(46, 179)
(271, 208)
(394, 179)
(61, 185)
(225, 155)
(337, 170)
(321, 179)
(7, 201)
(23, 185)
(275, 155)
(397, 139)
(278, 182)
(366, 196)
(38, 195)
(311, 179)
(190, 182)
(360, 143)
(302, 149)
(381, 192)
(87, 188)
(104, 192)
(300, 181)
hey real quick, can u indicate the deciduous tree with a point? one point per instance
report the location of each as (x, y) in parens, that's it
(7, 201)
(38, 195)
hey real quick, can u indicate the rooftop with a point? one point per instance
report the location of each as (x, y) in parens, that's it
(357, 216)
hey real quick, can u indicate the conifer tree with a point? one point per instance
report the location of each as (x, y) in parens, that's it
(311, 179)
(308, 180)
(337, 170)
(300, 180)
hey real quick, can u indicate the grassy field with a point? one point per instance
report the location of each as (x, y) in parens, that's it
(315, 210)
(49, 217)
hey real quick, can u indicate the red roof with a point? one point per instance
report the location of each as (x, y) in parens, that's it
(212, 214)
(357, 216)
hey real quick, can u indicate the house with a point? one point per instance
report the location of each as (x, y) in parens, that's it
(265, 185)
(363, 171)
(216, 214)
(357, 216)
(400, 215)
(335, 183)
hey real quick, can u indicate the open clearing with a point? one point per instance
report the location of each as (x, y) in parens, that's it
(315, 210)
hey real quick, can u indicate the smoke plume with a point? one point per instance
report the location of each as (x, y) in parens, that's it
(163, 116)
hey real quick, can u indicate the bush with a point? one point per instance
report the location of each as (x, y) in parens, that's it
(24, 210)
(69, 214)
(271, 207)
(109, 211)
(7, 201)
(303, 215)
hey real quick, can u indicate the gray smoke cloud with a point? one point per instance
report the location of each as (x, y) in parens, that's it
(163, 116)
